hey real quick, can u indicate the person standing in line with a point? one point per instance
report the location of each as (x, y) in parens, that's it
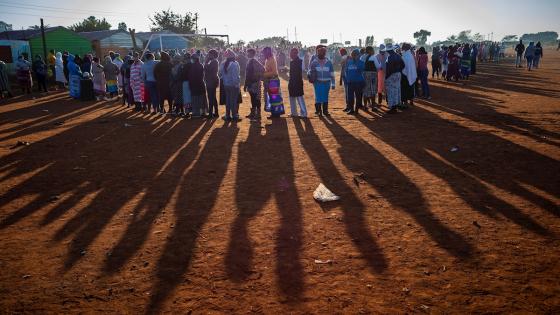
(23, 75)
(198, 88)
(465, 61)
(538, 55)
(127, 99)
(409, 76)
(59, 71)
(519, 50)
(253, 83)
(40, 69)
(343, 60)
(370, 77)
(111, 71)
(177, 86)
(4, 81)
(136, 82)
(230, 75)
(474, 53)
(295, 85)
(74, 75)
(150, 83)
(51, 60)
(185, 75)
(273, 91)
(118, 61)
(380, 64)
(98, 77)
(445, 62)
(355, 79)
(162, 74)
(393, 68)
(321, 75)
(530, 55)
(423, 72)
(211, 67)
(436, 62)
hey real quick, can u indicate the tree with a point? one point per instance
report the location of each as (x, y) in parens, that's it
(91, 24)
(370, 40)
(240, 43)
(167, 20)
(388, 41)
(509, 38)
(478, 37)
(464, 36)
(5, 26)
(122, 26)
(422, 37)
(274, 41)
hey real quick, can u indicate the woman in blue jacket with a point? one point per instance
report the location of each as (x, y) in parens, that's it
(355, 79)
(321, 75)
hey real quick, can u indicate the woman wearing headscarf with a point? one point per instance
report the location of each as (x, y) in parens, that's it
(230, 76)
(321, 75)
(409, 76)
(393, 68)
(74, 75)
(119, 63)
(99, 82)
(177, 85)
(295, 85)
(253, 83)
(198, 88)
(381, 60)
(211, 67)
(137, 82)
(187, 96)
(59, 71)
(466, 61)
(370, 76)
(40, 70)
(273, 92)
(422, 60)
(111, 71)
(162, 74)
(23, 74)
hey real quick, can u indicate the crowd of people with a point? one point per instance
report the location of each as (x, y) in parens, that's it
(194, 82)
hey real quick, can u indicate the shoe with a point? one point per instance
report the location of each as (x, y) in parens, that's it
(327, 114)
(392, 110)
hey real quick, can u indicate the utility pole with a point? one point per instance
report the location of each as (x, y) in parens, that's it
(44, 41)
(287, 35)
(295, 32)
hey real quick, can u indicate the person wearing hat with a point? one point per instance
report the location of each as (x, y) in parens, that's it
(229, 74)
(381, 58)
(393, 68)
(355, 78)
(321, 75)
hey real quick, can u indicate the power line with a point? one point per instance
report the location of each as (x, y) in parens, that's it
(51, 8)
(28, 14)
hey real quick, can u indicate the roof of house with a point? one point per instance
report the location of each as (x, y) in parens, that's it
(27, 34)
(98, 35)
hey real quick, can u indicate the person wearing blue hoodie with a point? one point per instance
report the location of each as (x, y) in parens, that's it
(74, 77)
(150, 83)
(530, 55)
(354, 74)
(321, 75)
(230, 75)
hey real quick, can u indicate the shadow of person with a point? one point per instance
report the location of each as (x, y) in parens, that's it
(259, 178)
(360, 156)
(351, 205)
(197, 196)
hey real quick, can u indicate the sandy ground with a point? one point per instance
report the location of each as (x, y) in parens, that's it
(113, 211)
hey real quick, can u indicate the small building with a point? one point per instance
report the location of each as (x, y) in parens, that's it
(10, 50)
(167, 42)
(103, 42)
(57, 38)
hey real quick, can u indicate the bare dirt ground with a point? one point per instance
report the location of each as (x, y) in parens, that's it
(113, 211)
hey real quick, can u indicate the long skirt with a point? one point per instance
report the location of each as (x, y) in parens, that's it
(137, 87)
(99, 84)
(370, 90)
(112, 86)
(177, 90)
(407, 90)
(321, 89)
(199, 105)
(465, 67)
(187, 98)
(24, 78)
(74, 85)
(393, 88)
(380, 81)
(274, 101)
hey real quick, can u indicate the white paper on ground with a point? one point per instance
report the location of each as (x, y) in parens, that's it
(323, 194)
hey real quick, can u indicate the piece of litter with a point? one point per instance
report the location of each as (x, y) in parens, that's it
(26, 276)
(45, 110)
(454, 149)
(444, 268)
(127, 125)
(476, 224)
(405, 290)
(324, 262)
(77, 168)
(157, 232)
(323, 194)
(21, 144)
(54, 198)
(424, 307)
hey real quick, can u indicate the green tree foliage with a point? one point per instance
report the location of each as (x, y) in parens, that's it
(370, 40)
(167, 20)
(544, 37)
(37, 27)
(122, 26)
(509, 38)
(212, 42)
(274, 41)
(91, 24)
(422, 37)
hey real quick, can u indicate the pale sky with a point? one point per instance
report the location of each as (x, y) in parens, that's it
(314, 20)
